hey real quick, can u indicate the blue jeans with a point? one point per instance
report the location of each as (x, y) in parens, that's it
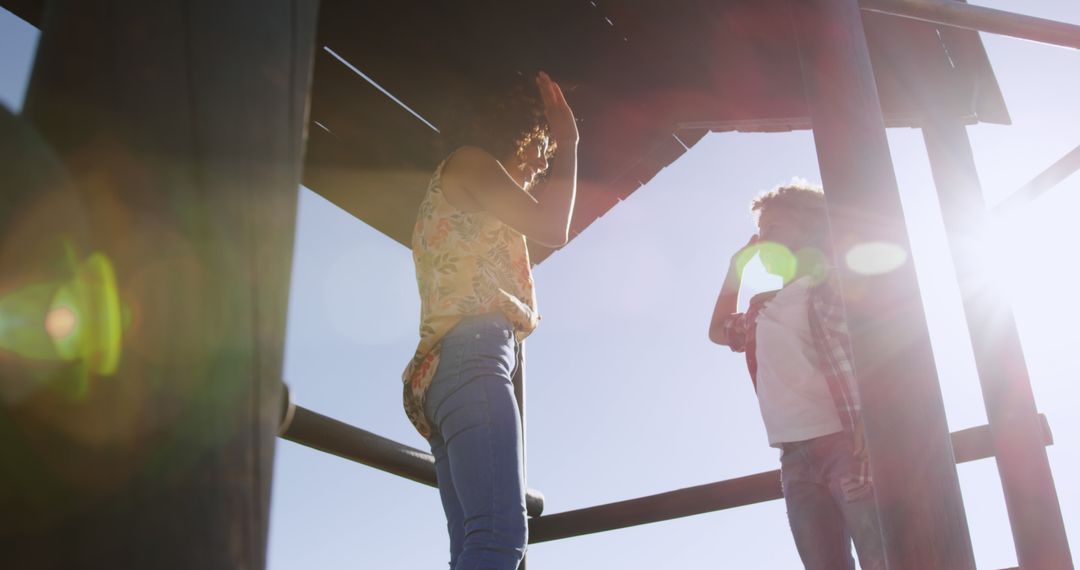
(477, 444)
(824, 513)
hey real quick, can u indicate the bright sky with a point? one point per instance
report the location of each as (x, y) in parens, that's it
(626, 396)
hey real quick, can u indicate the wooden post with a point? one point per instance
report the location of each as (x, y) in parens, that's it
(1030, 496)
(182, 124)
(911, 458)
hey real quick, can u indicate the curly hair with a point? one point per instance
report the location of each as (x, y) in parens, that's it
(503, 121)
(808, 200)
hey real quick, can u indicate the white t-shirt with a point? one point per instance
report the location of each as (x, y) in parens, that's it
(792, 392)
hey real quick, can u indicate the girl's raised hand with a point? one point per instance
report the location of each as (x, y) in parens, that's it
(559, 116)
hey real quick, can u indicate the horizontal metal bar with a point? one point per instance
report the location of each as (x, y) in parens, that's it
(326, 434)
(655, 508)
(1063, 168)
(960, 15)
(968, 445)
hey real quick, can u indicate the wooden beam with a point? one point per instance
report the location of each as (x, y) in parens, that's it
(911, 459)
(980, 18)
(1030, 495)
(182, 125)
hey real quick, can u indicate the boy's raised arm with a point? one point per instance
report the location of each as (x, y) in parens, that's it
(720, 330)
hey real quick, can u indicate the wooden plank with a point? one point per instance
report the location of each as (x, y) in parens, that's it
(1031, 499)
(981, 18)
(911, 459)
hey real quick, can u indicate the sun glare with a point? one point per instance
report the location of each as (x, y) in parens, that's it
(875, 258)
(1032, 246)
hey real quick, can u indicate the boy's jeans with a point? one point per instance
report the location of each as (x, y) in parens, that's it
(477, 445)
(825, 514)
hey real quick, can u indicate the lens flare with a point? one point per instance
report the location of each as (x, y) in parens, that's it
(875, 258)
(778, 260)
(60, 322)
(22, 322)
(72, 320)
(102, 340)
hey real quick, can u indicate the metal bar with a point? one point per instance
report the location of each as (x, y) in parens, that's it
(975, 443)
(519, 395)
(979, 18)
(969, 445)
(916, 485)
(1065, 167)
(331, 436)
(1030, 496)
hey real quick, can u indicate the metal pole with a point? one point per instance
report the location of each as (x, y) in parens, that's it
(314, 430)
(519, 395)
(911, 458)
(970, 444)
(182, 125)
(979, 18)
(1030, 496)
(1063, 168)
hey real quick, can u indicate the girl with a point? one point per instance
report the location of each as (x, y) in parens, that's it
(477, 303)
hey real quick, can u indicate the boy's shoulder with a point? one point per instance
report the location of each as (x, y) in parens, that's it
(819, 289)
(760, 299)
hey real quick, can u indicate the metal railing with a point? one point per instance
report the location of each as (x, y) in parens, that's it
(1054, 174)
(968, 445)
(314, 430)
(326, 434)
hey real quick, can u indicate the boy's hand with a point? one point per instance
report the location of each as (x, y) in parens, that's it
(860, 440)
(745, 254)
(727, 301)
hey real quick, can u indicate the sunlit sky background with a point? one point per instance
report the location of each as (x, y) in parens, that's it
(626, 396)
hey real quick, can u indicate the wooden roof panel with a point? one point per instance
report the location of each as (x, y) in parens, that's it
(635, 73)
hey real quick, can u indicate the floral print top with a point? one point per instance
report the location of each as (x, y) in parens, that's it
(467, 263)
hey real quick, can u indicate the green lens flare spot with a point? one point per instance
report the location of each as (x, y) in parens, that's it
(77, 319)
(85, 315)
(778, 260)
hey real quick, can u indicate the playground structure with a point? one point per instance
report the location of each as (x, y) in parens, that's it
(170, 136)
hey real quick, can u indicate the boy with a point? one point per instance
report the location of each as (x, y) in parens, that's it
(799, 357)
